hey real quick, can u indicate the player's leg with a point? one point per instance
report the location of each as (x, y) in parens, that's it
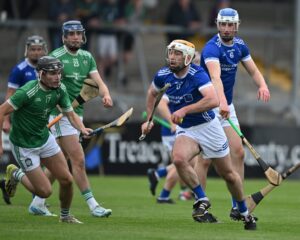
(234, 184)
(236, 153)
(184, 150)
(185, 193)
(57, 165)
(35, 180)
(67, 137)
(201, 167)
(171, 180)
(38, 204)
(72, 147)
(154, 175)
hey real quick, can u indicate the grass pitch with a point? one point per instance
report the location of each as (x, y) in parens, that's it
(136, 215)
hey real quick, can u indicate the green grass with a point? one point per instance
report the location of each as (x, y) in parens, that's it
(137, 216)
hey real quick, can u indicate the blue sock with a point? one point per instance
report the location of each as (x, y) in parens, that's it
(242, 207)
(199, 192)
(234, 203)
(164, 194)
(162, 172)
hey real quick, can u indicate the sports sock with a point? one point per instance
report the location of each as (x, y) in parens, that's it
(161, 172)
(89, 198)
(64, 212)
(164, 194)
(233, 203)
(200, 194)
(242, 208)
(18, 174)
(37, 201)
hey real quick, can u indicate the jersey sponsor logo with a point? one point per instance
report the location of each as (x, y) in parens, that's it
(65, 61)
(228, 67)
(28, 162)
(38, 99)
(85, 62)
(188, 98)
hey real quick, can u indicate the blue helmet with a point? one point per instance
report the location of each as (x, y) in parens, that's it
(73, 26)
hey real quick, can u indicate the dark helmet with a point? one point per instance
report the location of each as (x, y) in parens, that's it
(35, 40)
(48, 63)
(72, 26)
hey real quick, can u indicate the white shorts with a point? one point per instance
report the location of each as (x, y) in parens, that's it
(210, 136)
(233, 116)
(30, 158)
(63, 127)
(107, 46)
(168, 141)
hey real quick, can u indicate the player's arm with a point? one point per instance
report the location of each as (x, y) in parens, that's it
(103, 89)
(263, 91)
(214, 70)
(5, 110)
(151, 96)
(209, 101)
(77, 123)
(6, 122)
(164, 111)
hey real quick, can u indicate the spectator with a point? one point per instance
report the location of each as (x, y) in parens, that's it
(183, 13)
(20, 9)
(107, 40)
(87, 13)
(60, 11)
(132, 13)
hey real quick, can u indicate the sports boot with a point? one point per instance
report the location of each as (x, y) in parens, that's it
(10, 182)
(249, 222)
(201, 214)
(5, 196)
(152, 180)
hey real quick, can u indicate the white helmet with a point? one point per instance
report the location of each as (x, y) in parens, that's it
(187, 48)
(228, 15)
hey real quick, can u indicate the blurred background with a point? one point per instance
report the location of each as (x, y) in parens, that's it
(143, 28)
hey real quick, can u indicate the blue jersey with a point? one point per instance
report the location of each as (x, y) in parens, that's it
(166, 132)
(21, 74)
(229, 58)
(185, 91)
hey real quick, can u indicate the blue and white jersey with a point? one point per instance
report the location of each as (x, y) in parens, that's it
(229, 57)
(21, 74)
(185, 91)
(166, 131)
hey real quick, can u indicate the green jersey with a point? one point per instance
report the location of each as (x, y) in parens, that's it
(32, 105)
(77, 67)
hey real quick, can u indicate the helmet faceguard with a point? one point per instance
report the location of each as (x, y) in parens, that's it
(48, 64)
(187, 49)
(73, 26)
(228, 16)
(35, 40)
